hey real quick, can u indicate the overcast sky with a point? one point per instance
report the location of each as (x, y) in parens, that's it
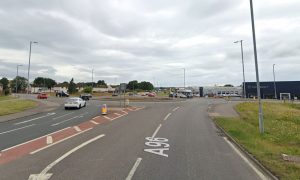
(150, 40)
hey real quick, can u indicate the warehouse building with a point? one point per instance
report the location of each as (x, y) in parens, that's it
(284, 89)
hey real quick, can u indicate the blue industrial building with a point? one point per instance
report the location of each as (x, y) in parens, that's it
(284, 89)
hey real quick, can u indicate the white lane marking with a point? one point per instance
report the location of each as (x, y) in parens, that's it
(34, 119)
(96, 117)
(43, 175)
(94, 122)
(107, 117)
(33, 140)
(156, 131)
(167, 116)
(17, 129)
(49, 140)
(125, 112)
(117, 114)
(62, 116)
(79, 116)
(132, 171)
(260, 174)
(175, 109)
(77, 128)
(38, 150)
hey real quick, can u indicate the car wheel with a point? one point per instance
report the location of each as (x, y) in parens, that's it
(66, 108)
(79, 106)
(84, 104)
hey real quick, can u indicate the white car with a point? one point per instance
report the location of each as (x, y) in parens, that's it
(74, 103)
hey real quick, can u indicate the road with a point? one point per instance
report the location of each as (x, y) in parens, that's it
(162, 141)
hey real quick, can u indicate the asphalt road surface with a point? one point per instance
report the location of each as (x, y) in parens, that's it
(162, 141)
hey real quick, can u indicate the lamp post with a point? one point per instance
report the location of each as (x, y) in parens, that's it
(275, 91)
(92, 77)
(17, 77)
(242, 52)
(260, 116)
(31, 42)
(183, 78)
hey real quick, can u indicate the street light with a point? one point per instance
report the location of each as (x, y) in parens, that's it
(17, 77)
(274, 81)
(183, 78)
(31, 42)
(242, 52)
(92, 78)
(260, 116)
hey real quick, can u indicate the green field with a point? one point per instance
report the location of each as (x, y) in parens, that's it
(282, 135)
(10, 105)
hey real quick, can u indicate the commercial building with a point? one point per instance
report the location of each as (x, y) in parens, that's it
(284, 89)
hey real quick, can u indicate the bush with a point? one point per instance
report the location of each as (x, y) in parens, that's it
(88, 89)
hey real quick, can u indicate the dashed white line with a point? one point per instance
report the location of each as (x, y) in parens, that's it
(117, 114)
(96, 117)
(33, 140)
(62, 116)
(38, 150)
(132, 171)
(260, 174)
(44, 175)
(49, 114)
(5, 132)
(49, 140)
(94, 122)
(156, 131)
(167, 116)
(175, 109)
(106, 117)
(77, 128)
(79, 116)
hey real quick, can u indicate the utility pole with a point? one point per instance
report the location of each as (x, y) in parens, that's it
(17, 78)
(260, 115)
(31, 42)
(93, 78)
(242, 52)
(275, 90)
(183, 78)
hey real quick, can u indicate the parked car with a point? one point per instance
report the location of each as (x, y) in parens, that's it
(42, 96)
(151, 94)
(180, 95)
(62, 94)
(75, 103)
(115, 94)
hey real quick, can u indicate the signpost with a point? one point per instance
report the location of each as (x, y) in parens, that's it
(122, 88)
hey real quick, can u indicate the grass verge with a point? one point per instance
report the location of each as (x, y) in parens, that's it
(282, 135)
(14, 106)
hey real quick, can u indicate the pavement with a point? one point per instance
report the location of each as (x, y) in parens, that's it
(158, 140)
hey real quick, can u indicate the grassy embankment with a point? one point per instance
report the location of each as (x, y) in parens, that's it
(282, 135)
(10, 105)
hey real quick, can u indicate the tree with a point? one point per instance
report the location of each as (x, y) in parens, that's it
(22, 84)
(133, 85)
(72, 87)
(147, 86)
(4, 81)
(88, 89)
(101, 83)
(228, 85)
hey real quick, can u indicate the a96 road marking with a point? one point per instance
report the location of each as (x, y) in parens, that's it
(160, 145)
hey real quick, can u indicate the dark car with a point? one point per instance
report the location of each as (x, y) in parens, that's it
(62, 94)
(85, 97)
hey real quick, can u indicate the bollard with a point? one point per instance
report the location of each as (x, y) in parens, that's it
(104, 109)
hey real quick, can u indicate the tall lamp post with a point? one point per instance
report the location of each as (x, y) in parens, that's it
(242, 52)
(31, 42)
(17, 77)
(275, 91)
(183, 78)
(260, 116)
(92, 78)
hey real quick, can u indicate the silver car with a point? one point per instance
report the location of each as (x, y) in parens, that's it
(74, 103)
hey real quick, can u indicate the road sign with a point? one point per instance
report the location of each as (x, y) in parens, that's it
(123, 86)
